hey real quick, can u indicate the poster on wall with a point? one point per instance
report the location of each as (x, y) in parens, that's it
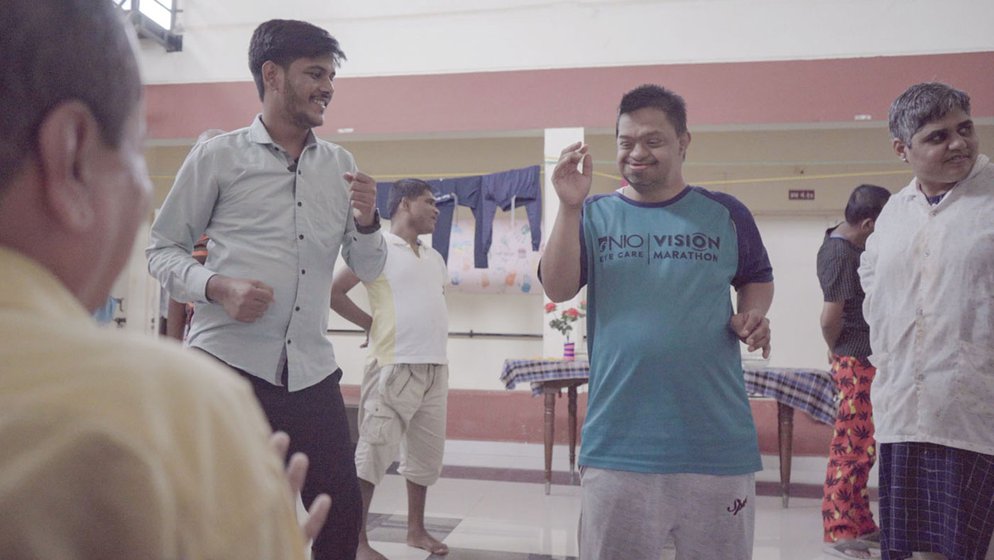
(513, 264)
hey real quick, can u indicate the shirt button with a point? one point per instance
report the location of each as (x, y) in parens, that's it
(299, 172)
(300, 204)
(288, 341)
(302, 271)
(296, 308)
(301, 236)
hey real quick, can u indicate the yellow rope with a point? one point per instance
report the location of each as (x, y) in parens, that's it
(618, 178)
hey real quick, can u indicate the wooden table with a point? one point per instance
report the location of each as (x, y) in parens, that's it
(551, 389)
(812, 391)
(549, 378)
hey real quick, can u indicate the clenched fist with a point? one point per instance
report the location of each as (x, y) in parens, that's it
(243, 300)
(362, 193)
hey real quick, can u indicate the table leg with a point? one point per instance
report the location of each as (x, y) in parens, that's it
(550, 429)
(571, 394)
(785, 434)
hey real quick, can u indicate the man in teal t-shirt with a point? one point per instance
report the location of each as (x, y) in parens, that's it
(669, 446)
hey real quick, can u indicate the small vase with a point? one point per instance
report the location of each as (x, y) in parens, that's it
(569, 351)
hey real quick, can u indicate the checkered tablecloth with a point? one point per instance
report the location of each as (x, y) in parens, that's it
(539, 371)
(809, 390)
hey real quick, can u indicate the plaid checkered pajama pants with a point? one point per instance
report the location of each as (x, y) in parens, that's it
(935, 498)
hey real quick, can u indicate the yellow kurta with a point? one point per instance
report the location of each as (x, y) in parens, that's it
(121, 446)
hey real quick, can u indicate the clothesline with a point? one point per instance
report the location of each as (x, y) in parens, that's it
(779, 179)
(484, 194)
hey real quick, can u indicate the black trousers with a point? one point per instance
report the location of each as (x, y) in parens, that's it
(315, 420)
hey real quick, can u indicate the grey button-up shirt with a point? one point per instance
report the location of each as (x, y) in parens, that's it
(270, 221)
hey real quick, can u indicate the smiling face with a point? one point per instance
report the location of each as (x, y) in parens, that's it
(650, 154)
(942, 152)
(304, 89)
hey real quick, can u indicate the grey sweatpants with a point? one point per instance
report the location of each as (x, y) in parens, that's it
(632, 516)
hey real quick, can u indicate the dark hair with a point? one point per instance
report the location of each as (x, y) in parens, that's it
(921, 104)
(56, 51)
(657, 97)
(285, 40)
(866, 201)
(405, 188)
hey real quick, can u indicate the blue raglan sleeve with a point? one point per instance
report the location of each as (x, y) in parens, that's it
(754, 263)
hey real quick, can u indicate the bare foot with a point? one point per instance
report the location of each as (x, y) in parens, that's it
(366, 552)
(424, 541)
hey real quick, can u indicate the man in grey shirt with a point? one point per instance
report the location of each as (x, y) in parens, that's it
(278, 205)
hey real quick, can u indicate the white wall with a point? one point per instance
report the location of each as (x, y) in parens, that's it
(393, 37)
(793, 245)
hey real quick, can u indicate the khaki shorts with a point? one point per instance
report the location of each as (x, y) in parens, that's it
(402, 406)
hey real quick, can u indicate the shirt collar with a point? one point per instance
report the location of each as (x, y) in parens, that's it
(395, 239)
(912, 191)
(259, 134)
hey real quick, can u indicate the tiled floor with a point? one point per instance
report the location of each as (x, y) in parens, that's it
(499, 519)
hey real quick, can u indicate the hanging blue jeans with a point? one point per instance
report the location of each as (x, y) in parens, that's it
(507, 190)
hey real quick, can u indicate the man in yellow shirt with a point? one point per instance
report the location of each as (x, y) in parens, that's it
(114, 446)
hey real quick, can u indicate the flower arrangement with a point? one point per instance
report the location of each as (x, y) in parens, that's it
(563, 320)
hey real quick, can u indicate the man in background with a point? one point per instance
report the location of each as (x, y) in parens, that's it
(114, 445)
(846, 505)
(405, 386)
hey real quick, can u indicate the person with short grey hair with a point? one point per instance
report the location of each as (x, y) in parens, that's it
(921, 104)
(928, 275)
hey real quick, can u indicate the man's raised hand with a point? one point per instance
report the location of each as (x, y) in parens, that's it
(573, 175)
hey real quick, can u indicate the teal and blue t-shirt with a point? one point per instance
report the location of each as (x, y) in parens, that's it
(666, 388)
